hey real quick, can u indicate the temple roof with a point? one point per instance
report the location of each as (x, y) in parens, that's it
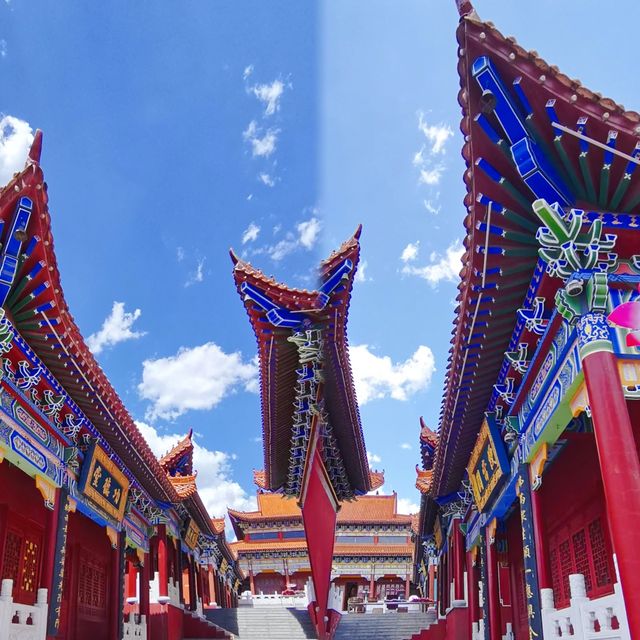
(530, 132)
(34, 302)
(275, 311)
(424, 480)
(274, 507)
(179, 459)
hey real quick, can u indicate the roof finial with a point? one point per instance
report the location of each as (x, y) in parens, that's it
(234, 257)
(464, 7)
(358, 232)
(36, 147)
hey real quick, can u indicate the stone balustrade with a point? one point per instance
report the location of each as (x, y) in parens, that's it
(26, 622)
(585, 618)
(135, 627)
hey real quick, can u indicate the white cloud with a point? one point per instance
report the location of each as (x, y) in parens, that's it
(361, 273)
(250, 233)
(406, 506)
(441, 267)
(16, 137)
(180, 254)
(266, 179)
(270, 95)
(431, 176)
(215, 484)
(248, 70)
(3, 48)
(410, 252)
(308, 232)
(196, 378)
(372, 458)
(378, 377)
(406, 446)
(432, 208)
(436, 135)
(197, 275)
(116, 328)
(261, 145)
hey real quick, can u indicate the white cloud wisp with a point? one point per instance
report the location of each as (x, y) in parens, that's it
(376, 377)
(441, 267)
(16, 137)
(196, 378)
(117, 327)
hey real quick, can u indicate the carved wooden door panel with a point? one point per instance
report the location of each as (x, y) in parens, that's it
(22, 559)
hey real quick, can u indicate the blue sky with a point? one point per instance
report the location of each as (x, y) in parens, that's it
(176, 130)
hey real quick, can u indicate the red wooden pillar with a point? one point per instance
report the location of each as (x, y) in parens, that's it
(495, 623)
(163, 561)
(472, 590)
(252, 585)
(407, 587)
(200, 583)
(116, 612)
(432, 582)
(542, 557)
(193, 597)
(145, 575)
(372, 586)
(131, 585)
(458, 569)
(51, 535)
(617, 453)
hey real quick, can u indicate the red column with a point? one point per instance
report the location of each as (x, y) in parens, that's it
(458, 578)
(407, 587)
(432, 582)
(372, 586)
(542, 557)
(132, 580)
(192, 584)
(115, 591)
(145, 575)
(163, 575)
(619, 464)
(495, 624)
(252, 585)
(51, 534)
(200, 583)
(473, 600)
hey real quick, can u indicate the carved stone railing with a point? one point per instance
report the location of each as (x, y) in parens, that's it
(135, 627)
(174, 593)
(584, 618)
(21, 621)
(335, 599)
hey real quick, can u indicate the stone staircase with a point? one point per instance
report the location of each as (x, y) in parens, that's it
(264, 623)
(390, 626)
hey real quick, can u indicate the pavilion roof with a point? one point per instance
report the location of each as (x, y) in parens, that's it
(36, 306)
(275, 507)
(179, 459)
(501, 253)
(279, 360)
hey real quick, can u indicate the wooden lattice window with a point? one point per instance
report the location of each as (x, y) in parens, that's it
(21, 563)
(585, 550)
(92, 588)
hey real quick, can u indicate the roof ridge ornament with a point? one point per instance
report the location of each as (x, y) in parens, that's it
(465, 8)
